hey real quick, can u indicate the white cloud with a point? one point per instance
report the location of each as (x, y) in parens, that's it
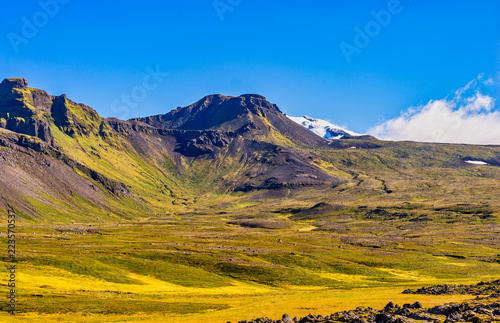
(470, 117)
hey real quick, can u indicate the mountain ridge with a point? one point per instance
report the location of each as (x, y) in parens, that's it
(195, 158)
(252, 145)
(242, 114)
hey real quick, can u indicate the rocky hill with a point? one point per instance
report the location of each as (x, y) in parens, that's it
(246, 142)
(61, 160)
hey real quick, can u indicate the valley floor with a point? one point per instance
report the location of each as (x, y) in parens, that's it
(208, 268)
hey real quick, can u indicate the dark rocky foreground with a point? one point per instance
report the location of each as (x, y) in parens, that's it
(490, 289)
(485, 308)
(465, 312)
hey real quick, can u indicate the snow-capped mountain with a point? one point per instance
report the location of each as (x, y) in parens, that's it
(323, 128)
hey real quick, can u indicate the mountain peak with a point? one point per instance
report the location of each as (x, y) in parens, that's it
(216, 112)
(246, 95)
(14, 83)
(249, 115)
(256, 96)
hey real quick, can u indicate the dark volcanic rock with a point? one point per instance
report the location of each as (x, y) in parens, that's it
(286, 318)
(8, 96)
(213, 112)
(240, 128)
(316, 211)
(14, 83)
(392, 313)
(390, 306)
(204, 142)
(482, 288)
(376, 212)
(60, 111)
(249, 115)
(18, 109)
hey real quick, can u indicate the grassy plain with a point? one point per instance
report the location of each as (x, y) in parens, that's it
(214, 267)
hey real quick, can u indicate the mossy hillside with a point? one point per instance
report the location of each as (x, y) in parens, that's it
(120, 162)
(85, 267)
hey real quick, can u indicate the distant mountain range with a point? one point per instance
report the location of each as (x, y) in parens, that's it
(61, 161)
(323, 128)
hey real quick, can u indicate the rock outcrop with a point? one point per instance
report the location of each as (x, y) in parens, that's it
(475, 311)
(408, 313)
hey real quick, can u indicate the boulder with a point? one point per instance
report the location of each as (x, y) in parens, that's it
(286, 318)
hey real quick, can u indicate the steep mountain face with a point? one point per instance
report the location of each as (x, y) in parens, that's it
(252, 131)
(248, 114)
(39, 176)
(39, 182)
(23, 110)
(323, 128)
(116, 168)
(31, 111)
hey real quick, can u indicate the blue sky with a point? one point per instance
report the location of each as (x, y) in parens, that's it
(97, 52)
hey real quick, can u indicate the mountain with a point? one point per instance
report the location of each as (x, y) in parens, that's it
(246, 114)
(62, 162)
(323, 128)
(252, 130)
(245, 142)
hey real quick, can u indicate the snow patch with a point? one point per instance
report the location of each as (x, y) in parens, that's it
(476, 162)
(323, 128)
